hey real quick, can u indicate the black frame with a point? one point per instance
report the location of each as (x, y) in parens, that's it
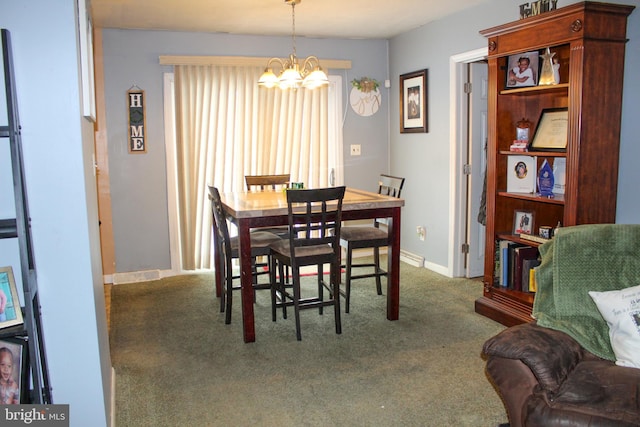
(414, 119)
(539, 146)
(19, 344)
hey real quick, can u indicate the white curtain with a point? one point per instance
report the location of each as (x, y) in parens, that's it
(227, 127)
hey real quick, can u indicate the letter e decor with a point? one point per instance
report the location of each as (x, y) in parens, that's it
(135, 101)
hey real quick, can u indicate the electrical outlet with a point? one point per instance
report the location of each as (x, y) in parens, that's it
(422, 232)
(355, 149)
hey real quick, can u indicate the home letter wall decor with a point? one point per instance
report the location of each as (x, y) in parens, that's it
(137, 131)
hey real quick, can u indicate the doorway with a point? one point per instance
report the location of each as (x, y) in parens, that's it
(468, 142)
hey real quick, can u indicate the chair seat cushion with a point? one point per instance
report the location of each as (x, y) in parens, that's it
(259, 239)
(282, 232)
(353, 233)
(282, 247)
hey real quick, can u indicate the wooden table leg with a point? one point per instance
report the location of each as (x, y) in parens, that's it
(246, 280)
(393, 267)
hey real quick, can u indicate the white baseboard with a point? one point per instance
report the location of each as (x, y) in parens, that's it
(140, 276)
(411, 258)
(418, 261)
(143, 276)
(437, 268)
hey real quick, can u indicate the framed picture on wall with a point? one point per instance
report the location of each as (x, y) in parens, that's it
(414, 102)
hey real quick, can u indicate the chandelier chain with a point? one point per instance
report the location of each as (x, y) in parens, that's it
(291, 73)
(293, 27)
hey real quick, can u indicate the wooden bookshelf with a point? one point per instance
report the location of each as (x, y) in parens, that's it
(589, 40)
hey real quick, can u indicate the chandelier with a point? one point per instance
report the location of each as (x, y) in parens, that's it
(291, 74)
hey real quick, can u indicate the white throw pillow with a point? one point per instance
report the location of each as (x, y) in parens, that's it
(621, 310)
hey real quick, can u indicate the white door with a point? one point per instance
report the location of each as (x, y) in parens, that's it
(478, 165)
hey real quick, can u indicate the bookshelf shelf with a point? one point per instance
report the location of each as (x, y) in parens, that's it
(536, 90)
(591, 74)
(558, 199)
(534, 153)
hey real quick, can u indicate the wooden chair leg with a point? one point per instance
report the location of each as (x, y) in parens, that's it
(229, 294)
(320, 286)
(223, 294)
(334, 278)
(225, 286)
(282, 289)
(274, 286)
(296, 301)
(347, 281)
(376, 261)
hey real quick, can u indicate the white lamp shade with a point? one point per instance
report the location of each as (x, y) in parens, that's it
(268, 79)
(290, 79)
(316, 79)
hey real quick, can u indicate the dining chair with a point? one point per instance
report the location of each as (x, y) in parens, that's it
(314, 239)
(263, 182)
(368, 237)
(226, 250)
(270, 183)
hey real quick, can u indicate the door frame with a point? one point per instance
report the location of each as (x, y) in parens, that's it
(458, 156)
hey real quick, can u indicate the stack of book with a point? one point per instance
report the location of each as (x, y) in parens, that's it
(519, 145)
(515, 265)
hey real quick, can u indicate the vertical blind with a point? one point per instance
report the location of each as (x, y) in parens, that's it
(228, 127)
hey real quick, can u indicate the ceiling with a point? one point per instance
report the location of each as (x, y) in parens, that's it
(379, 19)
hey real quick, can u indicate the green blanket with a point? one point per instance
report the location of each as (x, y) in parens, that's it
(597, 257)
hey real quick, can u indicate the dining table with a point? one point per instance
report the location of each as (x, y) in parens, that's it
(254, 209)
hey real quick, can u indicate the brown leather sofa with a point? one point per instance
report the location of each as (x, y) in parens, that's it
(545, 378)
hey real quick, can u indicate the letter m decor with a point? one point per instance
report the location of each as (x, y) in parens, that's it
(137, 131)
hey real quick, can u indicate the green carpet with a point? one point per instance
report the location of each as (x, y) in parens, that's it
(178, 364)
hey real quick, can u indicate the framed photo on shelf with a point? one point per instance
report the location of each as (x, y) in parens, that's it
(10, 311)
(13, 360)
(414, 102)
(521, 174)
(523, 222)
(551, 132)
(522, 70)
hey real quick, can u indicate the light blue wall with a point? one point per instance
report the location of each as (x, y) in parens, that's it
(58, 148)
(424, 159)
(138, 181)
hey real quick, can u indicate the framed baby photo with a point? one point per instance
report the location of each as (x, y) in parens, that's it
(10, 311)
(14, 371)
(522, 70)
(523, 222)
